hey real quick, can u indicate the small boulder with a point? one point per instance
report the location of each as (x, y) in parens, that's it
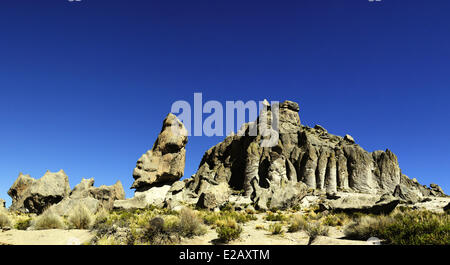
(349, 138)
(2, 204)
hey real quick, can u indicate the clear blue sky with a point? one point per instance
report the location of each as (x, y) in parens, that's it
(85, 86)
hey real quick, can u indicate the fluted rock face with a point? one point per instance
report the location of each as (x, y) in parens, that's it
(34, 196)
(165, 162)
(303, 157)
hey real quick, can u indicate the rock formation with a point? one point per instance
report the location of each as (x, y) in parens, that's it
(164, 163)
(159, 168)
(53, 191)
(34, 196)
(304, 159)
(94, 198)
(2, 204)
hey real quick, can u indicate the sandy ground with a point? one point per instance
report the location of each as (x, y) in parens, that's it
(45, 237)
(252, 236)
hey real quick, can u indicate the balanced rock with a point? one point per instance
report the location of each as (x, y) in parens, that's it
(34, 196)
(164, 163)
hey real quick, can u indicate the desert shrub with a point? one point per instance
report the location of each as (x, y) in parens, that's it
(228, 230)
(408, 227)
(276, 229)
(100, 218)
(80, 217)
(338, 219)
(275, 217)
(211, 218)
(4, 220)
(190, 224)
(23, 223)
(297, 223)
(48, 220)
(259, 227)
(316, 229)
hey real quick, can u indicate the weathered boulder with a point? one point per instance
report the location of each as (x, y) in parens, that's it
(65, 207)
(34, 196)
(214, 196)
(154, 196)
(92, 197)
(289, 196)
(164, 163)
(107, 195)
(358, 203)
(404, 193)
(179, 196)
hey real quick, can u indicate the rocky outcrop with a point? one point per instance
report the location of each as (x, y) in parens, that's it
(303, 158)
(34, 196)
(2, 204)
(361, 203)
(94, 198)
(164, 163)
(154, 196)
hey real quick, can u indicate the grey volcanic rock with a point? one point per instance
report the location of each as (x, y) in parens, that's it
(310, 156)
(164, 163)
(404, 193)
(92, 197)
(361, 203)
(34, 196)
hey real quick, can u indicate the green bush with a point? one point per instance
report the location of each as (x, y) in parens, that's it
(228, 230)
(276, 229)
(275, 217)
(403, 228)
(23, 224)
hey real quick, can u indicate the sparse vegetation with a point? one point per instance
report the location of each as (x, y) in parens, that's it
(297, 223)
(80, 217)
(228, 230)
(23, 223)
(275, 217)
(407, 227)
(190, 224)
(276, 229)
(48, 220)
(315, 229)
(5, 221)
